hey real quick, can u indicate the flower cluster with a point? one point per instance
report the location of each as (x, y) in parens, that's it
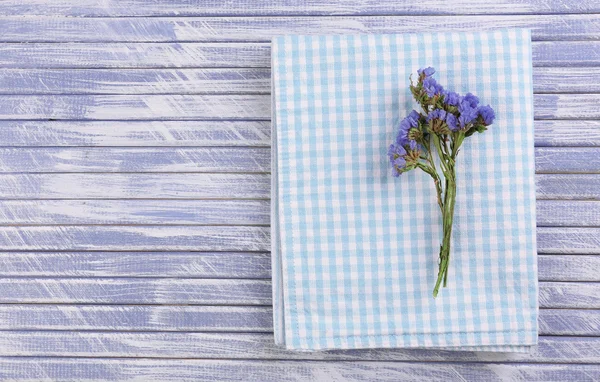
(447, 119)
(445, 113)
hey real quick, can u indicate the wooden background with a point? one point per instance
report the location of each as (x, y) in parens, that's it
(134, 189)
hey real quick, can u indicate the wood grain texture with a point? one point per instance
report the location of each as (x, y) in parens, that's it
(143, 291)
(243, 265)
(550, 133)
(222, 55)
(256, 107)
(261, 346)
(138, 160)
(220, 29)
(227, 319)
(217, 81)
(568, 268)
(142, 81)
(94, 369)
(550, 213)
(560, 213)
(136, 212)
(217, 238)
(148, 133)
(137, 238)
(290, 7)
(218, 186)
(221, 160)
(143, 186)
(135, 291)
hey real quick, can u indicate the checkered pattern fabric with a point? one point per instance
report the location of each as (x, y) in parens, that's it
(355, 251)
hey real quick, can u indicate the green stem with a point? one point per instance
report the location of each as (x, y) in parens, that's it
(447, 216)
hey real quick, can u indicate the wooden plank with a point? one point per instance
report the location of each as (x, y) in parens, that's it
(566, 133)
(562, 213)
(256, 107)
(211, 29)
(217, 238)
(145, 291)
(127, 160)
(140, 81)
(245, 265)
(221, 160)
(139, 186)
(550, 213)
(218, 186)
(222, 55)
(140, 291)
(217, 81)
(567, 186)
(92, 369)
(261, 346)
(219, 133)
(136, 238)
(138, 107)
(580, 160)
(290, 7)
(136, 212)
(568, 240)
(247, 319)
(568, 268)
(141, 133)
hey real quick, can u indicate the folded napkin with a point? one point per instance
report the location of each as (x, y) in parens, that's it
(354, 250)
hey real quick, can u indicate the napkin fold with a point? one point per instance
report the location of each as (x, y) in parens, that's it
(354, 250)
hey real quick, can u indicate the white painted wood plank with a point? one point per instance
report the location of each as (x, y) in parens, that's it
(556, 213)
(221, 160)
(217, 238)
(143, 291)
(211, 29)
(245, 265)
(217, 81)
(230, 55)
(568, 268)
(550, 213)
(579, 160)
(567, 186)
(93, 369)
(139, 291)
(288, 7)
(218, 186)
(219, 133)
(140, 186)
(256, 106)
(261, 346)
(138, 107)
(136, 212)
(138, 160)
(247, 319)
(144, 133)
(136, 238)
(141, 81)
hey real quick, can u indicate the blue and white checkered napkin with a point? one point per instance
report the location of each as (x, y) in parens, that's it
(355, 251)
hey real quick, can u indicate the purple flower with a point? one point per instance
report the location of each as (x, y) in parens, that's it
(471, 99)
(452, 122)
(486, 113)
(467, 112)
(451, 98)
(432, 88)
(437, 114)
(428, 72)
(408, 123)
(396, 153)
